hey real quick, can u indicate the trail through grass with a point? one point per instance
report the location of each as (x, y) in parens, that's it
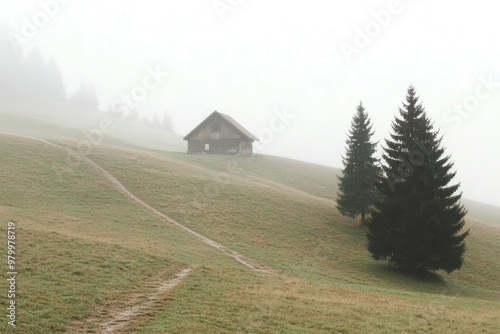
(85, 247)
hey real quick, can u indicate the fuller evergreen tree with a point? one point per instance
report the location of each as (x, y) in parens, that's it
(357, 183)
(417, 224)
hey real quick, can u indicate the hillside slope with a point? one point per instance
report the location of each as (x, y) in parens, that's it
(93, 246)
(484, 213)
(48, 119)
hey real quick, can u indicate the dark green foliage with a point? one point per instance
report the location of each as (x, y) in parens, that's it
(418, 221)
(357, 183)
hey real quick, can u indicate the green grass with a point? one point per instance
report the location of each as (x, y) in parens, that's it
(231, 302)
(61, 279)
(84, 243)
(300, 234)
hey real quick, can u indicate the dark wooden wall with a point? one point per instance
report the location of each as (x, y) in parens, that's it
(220, 146)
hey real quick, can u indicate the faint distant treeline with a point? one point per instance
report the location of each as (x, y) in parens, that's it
(30, 77)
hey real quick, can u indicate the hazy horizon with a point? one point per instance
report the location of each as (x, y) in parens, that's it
(258, 61)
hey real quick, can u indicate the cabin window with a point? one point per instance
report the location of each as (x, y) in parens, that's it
(207, 147)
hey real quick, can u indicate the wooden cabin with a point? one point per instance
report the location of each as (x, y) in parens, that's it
(220, 134)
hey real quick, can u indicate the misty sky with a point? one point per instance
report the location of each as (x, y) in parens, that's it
(314, 59)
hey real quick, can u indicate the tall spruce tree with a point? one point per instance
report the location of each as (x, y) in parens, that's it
(357, 183)
(417, 223)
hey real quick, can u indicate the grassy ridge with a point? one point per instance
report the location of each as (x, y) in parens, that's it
(300, 234)
(79, 241)
(484, 213)
(48, 119)
(80, 203)
(277, 211)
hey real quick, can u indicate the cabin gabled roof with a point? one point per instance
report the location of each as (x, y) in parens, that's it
(228, 119)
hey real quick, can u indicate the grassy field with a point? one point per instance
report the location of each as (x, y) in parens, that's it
(82, 245)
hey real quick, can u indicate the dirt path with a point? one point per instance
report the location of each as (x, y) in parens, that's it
(129, 310)
(141, 306)
(146, 207)
(239, 257)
